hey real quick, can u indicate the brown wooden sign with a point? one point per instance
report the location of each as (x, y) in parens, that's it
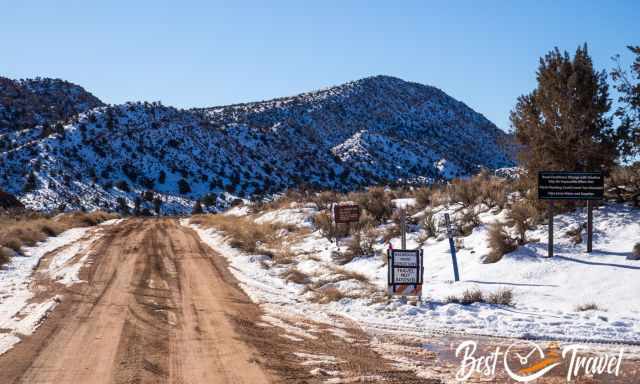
(343, 213)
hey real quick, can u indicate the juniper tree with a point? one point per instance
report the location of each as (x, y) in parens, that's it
(628, 85)
(563, 123)
(157, 203)
(30, 183)
(183, 186)
(197, 208)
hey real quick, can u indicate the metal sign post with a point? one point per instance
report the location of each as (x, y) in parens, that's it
(550, 242)
(589, 226)
(403, 228)
(452, 246)
(587, 186)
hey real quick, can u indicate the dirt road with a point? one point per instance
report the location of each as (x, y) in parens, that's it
(156, 309)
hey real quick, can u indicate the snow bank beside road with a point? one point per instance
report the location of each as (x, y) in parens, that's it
(547, 292)
(17, 315)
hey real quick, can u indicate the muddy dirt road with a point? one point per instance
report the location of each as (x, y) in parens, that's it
(156, 309)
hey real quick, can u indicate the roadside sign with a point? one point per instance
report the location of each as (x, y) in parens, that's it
(570, 185)
(403, 258)
(346, 213)
(587, 186)
(405, 272)
(405, 275)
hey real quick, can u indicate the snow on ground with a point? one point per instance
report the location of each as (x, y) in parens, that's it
(63, 268)
(546, 292)
(241, 210)
(112, 222)
(17, 315)
(299, 216)
(404, 203)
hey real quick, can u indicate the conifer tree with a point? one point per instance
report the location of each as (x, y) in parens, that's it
(628, 86)
(197, 208)
(157, 203)
(31, 182)
(563, 123)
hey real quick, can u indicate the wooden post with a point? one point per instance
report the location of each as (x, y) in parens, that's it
(550, 245)
(589, 226)
(403, 228)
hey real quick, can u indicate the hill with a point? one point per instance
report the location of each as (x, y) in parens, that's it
(371, 131)
(41, 101)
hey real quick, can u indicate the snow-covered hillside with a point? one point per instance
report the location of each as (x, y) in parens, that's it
(27, 103)
(375, 130)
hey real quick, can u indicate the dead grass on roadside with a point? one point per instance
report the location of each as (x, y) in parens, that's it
(244, 233)
(324, 289)
(468, 297)
(295, 275)
(250, 237)
(328, 295)
(27, 229)
(588, 307)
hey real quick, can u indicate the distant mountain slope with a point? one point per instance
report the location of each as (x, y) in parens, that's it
(31, 102)
(375, 130)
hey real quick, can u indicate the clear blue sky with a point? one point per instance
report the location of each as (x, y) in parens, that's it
(205, 53)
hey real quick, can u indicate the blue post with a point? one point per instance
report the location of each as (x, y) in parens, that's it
(455, 260)
(452, 247)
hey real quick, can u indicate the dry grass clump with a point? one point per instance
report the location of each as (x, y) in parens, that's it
(85, 219)
(623, 184)
(465, 192)
(499, 243)
(360, 244)
(481, 188)
(343, 258)
(423, 197)
(377, 202)
(468, 220)
(30, 228)
(350, 275)
(324, 200)
(429, 223)
(328, 295)
(244, 233)
(522, 215)
(390, 232)
(294, 275)
(5, 255)
(587, 307)
(284, 256)
(502, 297)
(493, 192)
(250, 237)
(575, 234)
(468, 297)
(636, 251)
(323, 222)
(325, 291)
